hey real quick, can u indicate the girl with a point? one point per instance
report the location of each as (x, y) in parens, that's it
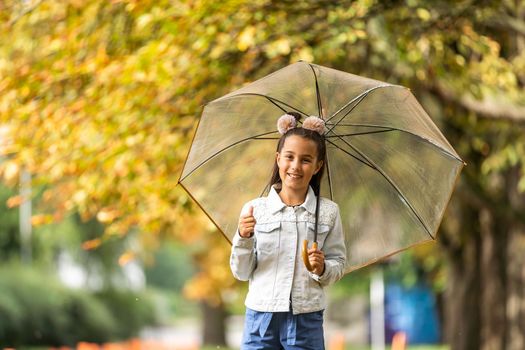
(285, 301)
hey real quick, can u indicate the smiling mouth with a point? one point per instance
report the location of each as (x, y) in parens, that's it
(294, 176)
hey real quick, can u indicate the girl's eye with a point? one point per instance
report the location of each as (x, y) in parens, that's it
(306, 161)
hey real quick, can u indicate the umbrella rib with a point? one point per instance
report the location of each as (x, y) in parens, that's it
(361, 98)
(205, 212)
(329, 174)
(271, 99)
(360, 133)
(264, 190)
(319, 103)
(358, 97)
(405, 131)
(224, 149)
(391, 182)
(189, 151)
(351, 155)
(275, 104)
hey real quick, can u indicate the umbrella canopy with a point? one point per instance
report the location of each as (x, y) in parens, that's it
(389, 168)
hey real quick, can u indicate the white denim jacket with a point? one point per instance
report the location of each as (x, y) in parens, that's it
(271, 258)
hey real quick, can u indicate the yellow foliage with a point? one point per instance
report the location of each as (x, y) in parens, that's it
(40, 219)
(215, 277)
(92, 244)
(126, 258)
(15, 201)
(99, 99)
(107, 215)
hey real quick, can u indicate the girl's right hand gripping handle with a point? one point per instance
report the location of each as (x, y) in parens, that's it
(305, 254)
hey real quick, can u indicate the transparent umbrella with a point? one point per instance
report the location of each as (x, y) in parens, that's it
(389, 168)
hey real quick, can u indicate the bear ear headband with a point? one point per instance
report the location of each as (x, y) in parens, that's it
(288, 121)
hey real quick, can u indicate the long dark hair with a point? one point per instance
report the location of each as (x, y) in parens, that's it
(315, 181)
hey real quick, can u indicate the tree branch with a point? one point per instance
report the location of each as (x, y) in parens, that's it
(487, 108)
(25, 12)
(507, 22)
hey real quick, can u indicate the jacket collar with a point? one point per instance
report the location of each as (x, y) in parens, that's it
(275, 203)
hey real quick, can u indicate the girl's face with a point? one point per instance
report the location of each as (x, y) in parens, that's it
(297, 162)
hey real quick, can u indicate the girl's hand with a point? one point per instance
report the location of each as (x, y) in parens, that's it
(316, 258)
(247, 224)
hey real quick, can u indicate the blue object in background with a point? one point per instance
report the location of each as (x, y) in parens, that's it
(412, 311)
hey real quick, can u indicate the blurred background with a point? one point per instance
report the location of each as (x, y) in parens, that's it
(99, 101)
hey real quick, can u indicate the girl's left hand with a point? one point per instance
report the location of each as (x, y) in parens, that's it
(316, 258)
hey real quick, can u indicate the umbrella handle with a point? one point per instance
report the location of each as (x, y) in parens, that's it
(305, 254)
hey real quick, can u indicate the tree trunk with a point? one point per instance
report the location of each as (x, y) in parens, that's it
(214, 324)
(515, 310)
(463, 298)
(493, 281)
(516, 289)
(485, 297)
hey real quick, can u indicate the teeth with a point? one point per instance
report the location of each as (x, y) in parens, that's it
(294, 176)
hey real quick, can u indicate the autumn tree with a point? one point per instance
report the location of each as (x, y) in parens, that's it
(100, 100)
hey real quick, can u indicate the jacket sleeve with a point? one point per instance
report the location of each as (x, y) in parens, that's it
(243, 258)
(335, 255)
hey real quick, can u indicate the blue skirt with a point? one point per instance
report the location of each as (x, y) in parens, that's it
(283, 330)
